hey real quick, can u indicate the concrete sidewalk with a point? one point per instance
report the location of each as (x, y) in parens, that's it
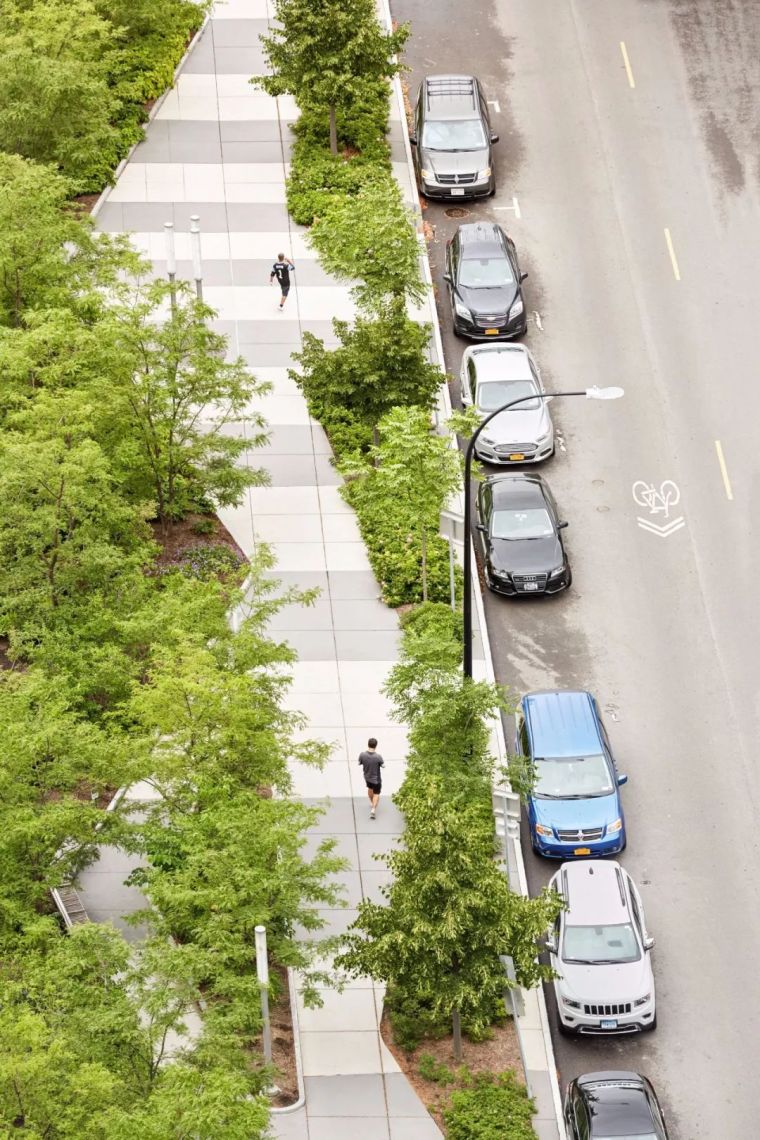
(219, 148)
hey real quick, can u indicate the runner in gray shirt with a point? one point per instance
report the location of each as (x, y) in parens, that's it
(371, 761)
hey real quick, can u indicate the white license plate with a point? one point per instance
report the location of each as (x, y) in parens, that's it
(530, 585)
(457, 193)
(609, 1023)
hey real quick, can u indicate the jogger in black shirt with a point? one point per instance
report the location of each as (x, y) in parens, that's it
(282, 269)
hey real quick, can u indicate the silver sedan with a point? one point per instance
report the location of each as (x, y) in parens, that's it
(492, 375)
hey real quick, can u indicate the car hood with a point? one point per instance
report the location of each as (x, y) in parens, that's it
(526, 555)
(455, 161)
(598, 811)
(517, 426)
(494, 301)
(603, 984)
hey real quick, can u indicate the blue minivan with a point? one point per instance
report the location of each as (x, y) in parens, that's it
(574, 809)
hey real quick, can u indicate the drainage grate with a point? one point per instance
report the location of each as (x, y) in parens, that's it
(457, 212)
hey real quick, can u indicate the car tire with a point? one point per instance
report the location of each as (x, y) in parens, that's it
(569, 579)
(563, 1029)
(457, 331)
(654, 1023)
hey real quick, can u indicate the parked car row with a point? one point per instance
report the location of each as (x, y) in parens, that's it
(600, 947)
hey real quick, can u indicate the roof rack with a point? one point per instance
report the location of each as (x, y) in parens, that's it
(454, 85)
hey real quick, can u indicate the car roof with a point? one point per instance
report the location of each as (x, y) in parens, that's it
(481, 239)
(619, 1108)
(593, 892)
(516, 492)
(451, 97)
(562, 722)
(502, 362)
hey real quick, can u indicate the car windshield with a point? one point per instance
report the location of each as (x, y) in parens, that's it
(630, 1136)
(572, 777)
(485, 273)
(493, 393)
(461, 134)
(600, 944)
(534, 523)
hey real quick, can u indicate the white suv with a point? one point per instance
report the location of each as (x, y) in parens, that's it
(599, 948)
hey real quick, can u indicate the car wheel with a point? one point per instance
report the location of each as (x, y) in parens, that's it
(654, 1024)
(564, 1031)
(457, 331)
(569, 579)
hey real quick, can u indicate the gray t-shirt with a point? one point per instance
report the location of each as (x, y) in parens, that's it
(371, 762)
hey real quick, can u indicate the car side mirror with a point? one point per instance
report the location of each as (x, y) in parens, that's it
(494, 137)
(413, 139)
(551, 946)
(447, 277)
(562, 525)
(622, 779)
(648, 942)
(522, 277)
(482, 527)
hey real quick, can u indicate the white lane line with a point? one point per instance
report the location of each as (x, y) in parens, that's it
(724, 470)
(627, 62)
(672, 252)
(495, 104)
(515, 206)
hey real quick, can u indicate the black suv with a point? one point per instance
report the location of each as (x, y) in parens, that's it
(613, 1104)
(485, 283)
(452, 138)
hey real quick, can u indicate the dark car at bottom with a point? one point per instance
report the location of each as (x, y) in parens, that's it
(613, 1105)
(485, 283)
(520, 532)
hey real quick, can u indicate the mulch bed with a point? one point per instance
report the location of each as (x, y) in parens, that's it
(179, 539)
(283, 1046)
(496, 1055)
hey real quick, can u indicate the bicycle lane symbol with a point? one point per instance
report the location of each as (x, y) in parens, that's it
(658, 501)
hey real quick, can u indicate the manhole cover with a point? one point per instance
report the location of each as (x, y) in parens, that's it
(457, 212)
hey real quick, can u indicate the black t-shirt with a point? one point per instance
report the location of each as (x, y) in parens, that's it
(281, 270)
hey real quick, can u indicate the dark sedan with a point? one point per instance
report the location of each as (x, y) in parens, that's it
(485, 283)
(599, 1106)
(520, 532)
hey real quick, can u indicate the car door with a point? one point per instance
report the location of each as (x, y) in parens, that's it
(452, 257)
(418, 125)
(485, 504)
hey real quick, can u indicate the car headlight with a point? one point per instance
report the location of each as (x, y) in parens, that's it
(487, 439)
(427, 175)
(485, 173)
(643, 1000)
(516, 309)
(462, 310)
(616, 825)
(556, 573)
(571, 1004)
(545, 437)
(547, 831)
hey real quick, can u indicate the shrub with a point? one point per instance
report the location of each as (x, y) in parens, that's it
(432, 1070)
(214, 560)
(497, 1107)
(317, 178)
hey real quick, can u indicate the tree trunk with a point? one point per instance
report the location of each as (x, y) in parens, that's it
(456, 1028)
(424, 565)
(333, 131)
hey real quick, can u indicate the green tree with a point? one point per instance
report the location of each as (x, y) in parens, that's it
(380, 363)
(56, 104)
(49, 257)
(449, 913)
(371, 235)
(66, 532)
(169, 401)
(325, 53)
(415, 472)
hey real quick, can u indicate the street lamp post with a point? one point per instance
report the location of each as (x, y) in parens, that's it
(590, 394)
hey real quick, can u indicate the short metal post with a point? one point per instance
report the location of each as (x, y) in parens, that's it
(195, 246)
(171, 262)
(452, 581)
(262, 970)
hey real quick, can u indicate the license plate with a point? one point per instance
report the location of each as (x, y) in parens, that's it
(530, 585)
(492, 332)
(457, 193)
(516, 457)
(582, 851)
(609, 1023)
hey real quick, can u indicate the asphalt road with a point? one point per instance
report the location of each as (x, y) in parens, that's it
(606, 150)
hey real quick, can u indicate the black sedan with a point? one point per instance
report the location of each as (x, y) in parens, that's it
(485, 283)
(602, 1105)
(520, 535)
